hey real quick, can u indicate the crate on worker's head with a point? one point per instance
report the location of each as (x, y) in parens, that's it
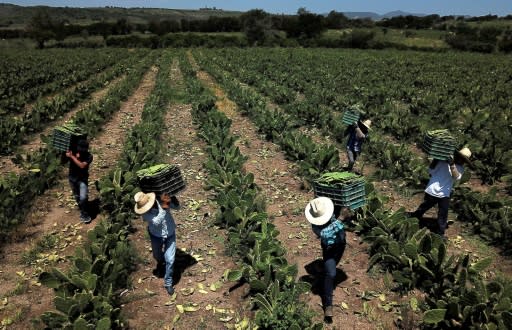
(161, 178)
(439, 144)
(351, 115)
(345, 189)
(66, 137)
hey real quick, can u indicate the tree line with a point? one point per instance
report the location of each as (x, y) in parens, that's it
(262, 28)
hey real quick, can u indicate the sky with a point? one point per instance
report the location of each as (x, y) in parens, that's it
(441, 7)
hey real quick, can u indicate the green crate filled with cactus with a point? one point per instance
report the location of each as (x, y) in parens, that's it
(66, 137)
(161, 178)
(345, 189)
(439, 144)
(351, 115)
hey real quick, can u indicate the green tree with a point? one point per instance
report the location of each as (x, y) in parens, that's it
(336, 20)
(40, 28)
(312, 25)
(256, 24)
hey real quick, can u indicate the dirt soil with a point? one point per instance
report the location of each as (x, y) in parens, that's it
(55, 215)
(34, 142)
(286, 205)
(212, 303)
(361, 299)
(286, 200)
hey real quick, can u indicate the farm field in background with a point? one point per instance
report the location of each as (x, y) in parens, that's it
(261, 124)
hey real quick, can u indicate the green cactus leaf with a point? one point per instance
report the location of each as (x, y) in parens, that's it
(434, 316)
(481, 265)
(49, 280)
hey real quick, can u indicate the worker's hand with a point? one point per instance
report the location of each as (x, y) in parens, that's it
(451, 160)
(69, 153)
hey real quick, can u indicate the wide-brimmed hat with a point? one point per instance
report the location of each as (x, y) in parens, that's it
(144, 202)
(465, 154)
(367, 123)
(319, 210)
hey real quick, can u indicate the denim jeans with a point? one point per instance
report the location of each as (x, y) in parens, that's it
(80, 192)
(430, 201)
(331, 256)
(164, 250)
(352, 156)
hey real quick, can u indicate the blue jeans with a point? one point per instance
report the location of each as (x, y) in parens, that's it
(81, 194)
(352, 156)
(331, 256)
(164, 251)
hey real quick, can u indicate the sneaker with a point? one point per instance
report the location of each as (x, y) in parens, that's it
(170, 290)
(85, 219)
(328, 311)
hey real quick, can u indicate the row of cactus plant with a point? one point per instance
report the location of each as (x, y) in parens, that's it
(88, 294)
(251, 235)
(42, 168)
(417, 258)
(15, 129)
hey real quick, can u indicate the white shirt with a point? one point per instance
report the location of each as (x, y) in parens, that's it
(441, 180)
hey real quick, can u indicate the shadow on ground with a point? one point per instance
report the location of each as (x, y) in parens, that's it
(315, 276)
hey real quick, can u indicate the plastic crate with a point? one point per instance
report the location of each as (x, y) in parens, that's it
(357, 205)
(439, 144)
(339, 196)
(168, 180)
(64, 140)
(349, 117)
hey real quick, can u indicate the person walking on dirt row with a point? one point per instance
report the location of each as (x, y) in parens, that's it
(357, 134)
(443, 174)
(79, 177)
(162, 231)
(320, 212)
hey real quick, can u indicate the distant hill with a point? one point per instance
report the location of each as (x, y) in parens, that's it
(20, 15)
(376, 17)
(400, 13)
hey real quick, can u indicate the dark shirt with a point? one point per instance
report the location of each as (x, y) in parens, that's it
(354, 143)
(81, 174)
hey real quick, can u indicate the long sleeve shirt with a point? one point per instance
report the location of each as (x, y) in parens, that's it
(160, 221)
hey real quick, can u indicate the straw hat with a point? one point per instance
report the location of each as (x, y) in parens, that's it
(367, 123)
(144, 202)
(465, 153)
(319, 211)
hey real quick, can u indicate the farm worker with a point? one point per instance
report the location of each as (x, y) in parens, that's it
(79, 176)
(320, 212)
(442, 176)
(161, 229)
(357, 133)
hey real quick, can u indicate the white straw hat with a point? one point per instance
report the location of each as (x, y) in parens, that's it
(319, 211)
(144, 202)
(367, 123)
(465, 153)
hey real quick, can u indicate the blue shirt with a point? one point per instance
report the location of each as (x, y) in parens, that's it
(332, 231)
(354, 143)
(441, 180)
(160, 221)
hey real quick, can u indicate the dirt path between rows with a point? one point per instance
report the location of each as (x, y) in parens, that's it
(285, 204)
(461, 240)
(55, 219)
(34, 141)
(201, 259)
